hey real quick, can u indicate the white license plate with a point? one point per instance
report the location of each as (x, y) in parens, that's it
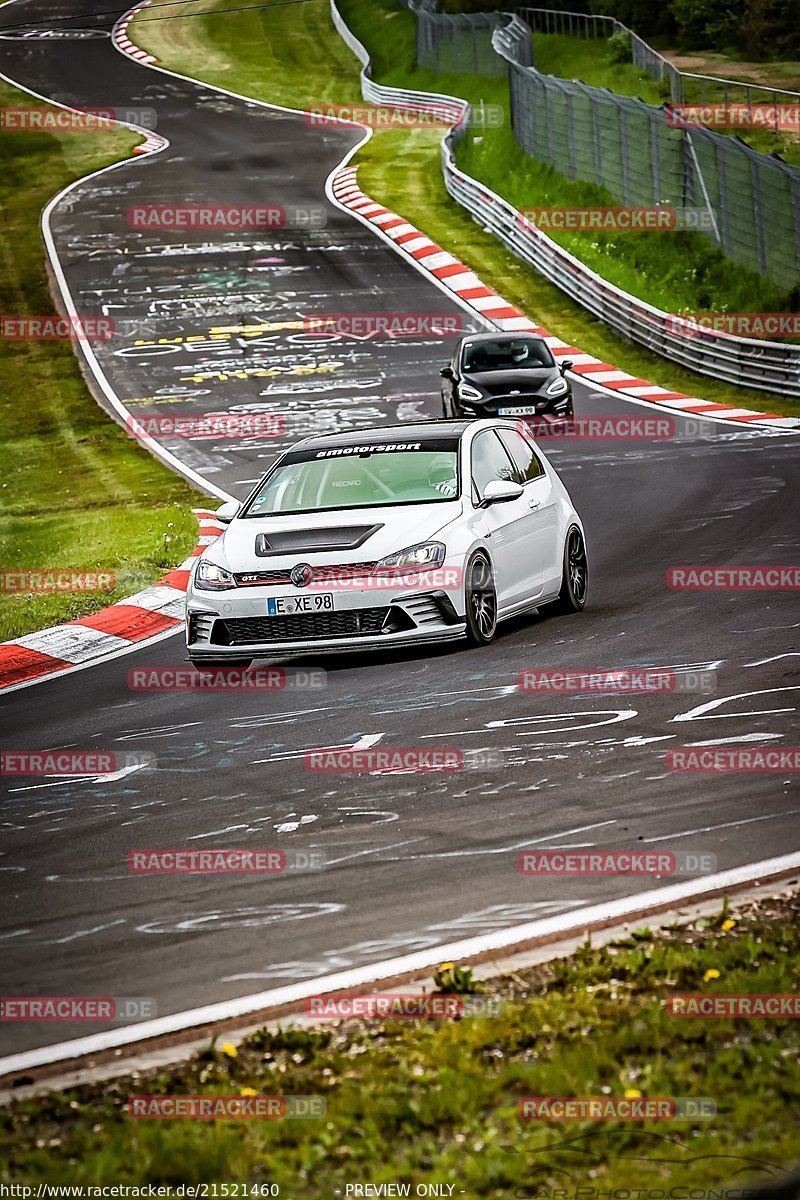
(287, 606)
(519, 411)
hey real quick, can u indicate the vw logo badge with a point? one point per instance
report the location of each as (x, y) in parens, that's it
(301, 575)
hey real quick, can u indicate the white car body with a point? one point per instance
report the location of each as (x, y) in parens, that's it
(523, 538)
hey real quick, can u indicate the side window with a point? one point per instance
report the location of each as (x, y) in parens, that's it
(522, 454)
(489, 461)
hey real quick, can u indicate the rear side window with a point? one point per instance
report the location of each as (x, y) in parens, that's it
(522, 454)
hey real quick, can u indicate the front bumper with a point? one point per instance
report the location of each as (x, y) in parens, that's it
(235, 624)
(550, 407)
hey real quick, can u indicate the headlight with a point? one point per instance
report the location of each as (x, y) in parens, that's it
(557, 387)
(467, 392)
(211, 578)
(425, 554)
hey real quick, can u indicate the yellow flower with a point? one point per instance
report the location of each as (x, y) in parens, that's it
(632, 1093)
(446, 966)
(726, 925)
(229, 1049)
(711, 973)
(248, 1092)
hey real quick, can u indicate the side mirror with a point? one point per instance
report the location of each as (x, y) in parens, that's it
(446, 372)
(565, 366)
(500, 491)
(227, 512)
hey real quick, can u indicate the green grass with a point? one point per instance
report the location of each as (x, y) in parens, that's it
(294, 56)
(436, 1101)
(592, 61)
(76, 492)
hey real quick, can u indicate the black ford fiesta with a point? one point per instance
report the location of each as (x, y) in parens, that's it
(505, 375)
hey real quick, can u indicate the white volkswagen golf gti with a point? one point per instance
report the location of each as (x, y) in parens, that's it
(402, 534)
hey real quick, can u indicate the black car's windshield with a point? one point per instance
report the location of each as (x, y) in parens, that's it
(359, 477)
(506, 354)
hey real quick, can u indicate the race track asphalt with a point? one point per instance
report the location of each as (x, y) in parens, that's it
(413, 860)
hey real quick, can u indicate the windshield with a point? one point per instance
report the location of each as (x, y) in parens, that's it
(507, 354)
(359, 477)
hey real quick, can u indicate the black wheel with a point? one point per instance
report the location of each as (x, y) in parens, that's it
(211, 665)
(575, 576)
(480, 596)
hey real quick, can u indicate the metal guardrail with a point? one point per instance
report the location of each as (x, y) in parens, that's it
(749, 362)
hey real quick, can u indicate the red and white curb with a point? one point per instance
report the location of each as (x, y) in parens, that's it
(148, 615)
(456, 277)
(119, 36)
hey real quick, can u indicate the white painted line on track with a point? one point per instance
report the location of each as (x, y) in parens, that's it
(461, 951)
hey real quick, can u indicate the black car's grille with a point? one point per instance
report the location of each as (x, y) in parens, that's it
(243, 631)
(329, 574)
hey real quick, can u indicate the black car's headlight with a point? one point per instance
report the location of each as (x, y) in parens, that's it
(466, 391)
(211, 578)
(413, 558)
(558, 387)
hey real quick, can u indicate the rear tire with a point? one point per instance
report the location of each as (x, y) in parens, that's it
(575, 577)
(480, 597)
(212, 665)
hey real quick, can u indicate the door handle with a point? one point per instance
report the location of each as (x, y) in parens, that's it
(534, 504)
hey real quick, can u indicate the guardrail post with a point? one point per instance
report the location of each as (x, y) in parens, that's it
(655, 159)
(758, 217)
(624, 154)
(597, 139)
(723, 235)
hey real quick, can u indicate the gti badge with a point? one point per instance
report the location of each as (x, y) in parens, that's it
(301, 575)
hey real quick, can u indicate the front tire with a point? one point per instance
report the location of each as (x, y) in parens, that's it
(480, 596)
(574, 578)
(211, 665)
